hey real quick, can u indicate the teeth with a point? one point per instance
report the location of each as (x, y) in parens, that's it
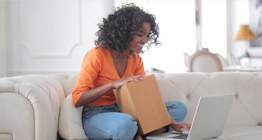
(140, 45)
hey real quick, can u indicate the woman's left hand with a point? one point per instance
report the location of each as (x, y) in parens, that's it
(177, 127)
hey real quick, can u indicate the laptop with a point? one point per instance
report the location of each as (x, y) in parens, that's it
(208, 122)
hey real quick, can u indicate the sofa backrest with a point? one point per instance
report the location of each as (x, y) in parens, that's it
(68, 82)
(188, 87)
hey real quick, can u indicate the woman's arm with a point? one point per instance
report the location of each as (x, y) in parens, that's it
(91, 95)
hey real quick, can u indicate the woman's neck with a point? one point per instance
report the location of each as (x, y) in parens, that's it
(117, 56)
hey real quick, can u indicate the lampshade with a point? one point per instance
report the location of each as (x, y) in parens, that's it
(245, 34)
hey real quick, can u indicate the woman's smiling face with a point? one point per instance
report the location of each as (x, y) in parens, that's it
(140, 38)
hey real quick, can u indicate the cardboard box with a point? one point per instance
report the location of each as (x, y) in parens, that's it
(142, 100)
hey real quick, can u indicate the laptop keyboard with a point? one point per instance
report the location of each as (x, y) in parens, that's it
(182, 136)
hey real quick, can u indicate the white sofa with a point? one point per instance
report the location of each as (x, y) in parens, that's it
(39, 107)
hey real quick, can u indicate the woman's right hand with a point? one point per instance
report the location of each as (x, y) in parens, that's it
(121, 82)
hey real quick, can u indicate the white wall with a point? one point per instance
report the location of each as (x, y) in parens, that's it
(2, 40)
(214, 26)
(51, 36)
(38, 37)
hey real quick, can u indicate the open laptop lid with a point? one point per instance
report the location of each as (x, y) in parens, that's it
(209, 119)
(210, 116)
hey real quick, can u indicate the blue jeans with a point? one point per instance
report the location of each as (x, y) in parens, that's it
(106, 122)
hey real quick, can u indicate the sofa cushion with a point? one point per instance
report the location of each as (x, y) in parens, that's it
(70, 122)
(243, 133)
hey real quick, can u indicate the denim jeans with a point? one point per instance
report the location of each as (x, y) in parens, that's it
(106, 122)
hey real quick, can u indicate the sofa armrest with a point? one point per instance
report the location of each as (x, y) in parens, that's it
(26, 111)
(70, 121)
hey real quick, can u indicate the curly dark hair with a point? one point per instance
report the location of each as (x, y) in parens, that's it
(118, 29)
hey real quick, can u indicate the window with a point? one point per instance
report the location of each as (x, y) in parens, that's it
(214, 35)
(176, 19)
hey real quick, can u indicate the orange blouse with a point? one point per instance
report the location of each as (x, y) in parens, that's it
(98, 69)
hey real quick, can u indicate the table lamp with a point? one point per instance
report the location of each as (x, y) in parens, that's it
(245, 34)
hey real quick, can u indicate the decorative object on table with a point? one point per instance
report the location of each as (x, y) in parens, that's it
(244, 34)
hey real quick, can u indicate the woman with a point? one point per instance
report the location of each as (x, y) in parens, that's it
(114, 62)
